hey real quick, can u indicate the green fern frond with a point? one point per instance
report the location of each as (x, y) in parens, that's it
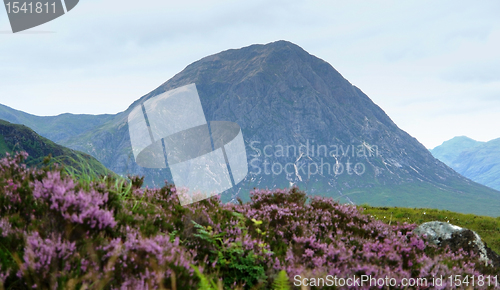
(281, 282)
(204, 284)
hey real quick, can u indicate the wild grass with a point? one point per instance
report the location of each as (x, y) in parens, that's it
(487, 227)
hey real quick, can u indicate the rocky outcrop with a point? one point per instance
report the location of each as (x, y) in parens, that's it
(282, 97)
(455, 237)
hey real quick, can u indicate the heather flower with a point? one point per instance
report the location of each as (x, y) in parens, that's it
(40, 255)
(5, 227)
(95, 235)
(75, 206)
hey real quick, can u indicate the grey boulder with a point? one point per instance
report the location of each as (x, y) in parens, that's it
(445, 234)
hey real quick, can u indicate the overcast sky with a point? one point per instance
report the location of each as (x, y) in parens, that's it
(432, 66)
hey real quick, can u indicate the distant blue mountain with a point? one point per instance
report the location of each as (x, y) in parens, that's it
(55, 128)
(478, 161)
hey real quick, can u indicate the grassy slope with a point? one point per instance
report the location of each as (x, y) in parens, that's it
(478, 200)
(462, 196)
(15, 138)
(487, 227)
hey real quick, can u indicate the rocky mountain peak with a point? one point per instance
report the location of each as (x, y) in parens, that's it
(284, 99)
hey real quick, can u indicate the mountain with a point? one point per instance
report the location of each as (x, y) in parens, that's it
(449, 151)
(14, 138)
(479, 161)
(297, 113)
(55, 128)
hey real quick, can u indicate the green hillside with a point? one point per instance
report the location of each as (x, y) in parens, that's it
(14, 138)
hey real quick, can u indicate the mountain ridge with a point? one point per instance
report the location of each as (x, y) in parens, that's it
(56, 128)
(473, 159)
(281, 95)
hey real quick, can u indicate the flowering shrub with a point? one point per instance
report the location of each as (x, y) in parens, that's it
(59, 233)
(42, 255)
(82, 207)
